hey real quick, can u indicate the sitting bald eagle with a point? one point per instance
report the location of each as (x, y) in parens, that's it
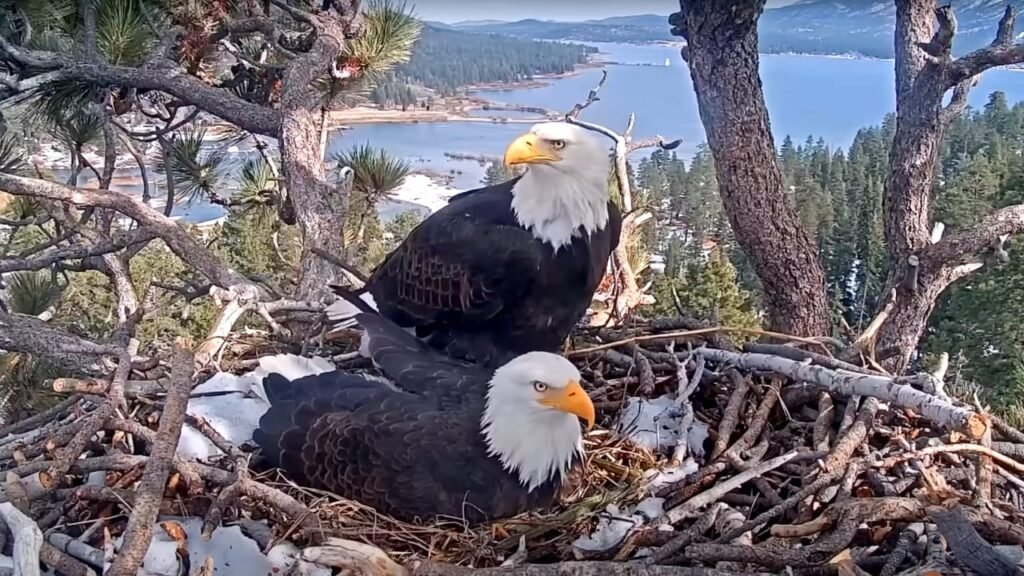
(444, 438)
(504, 269)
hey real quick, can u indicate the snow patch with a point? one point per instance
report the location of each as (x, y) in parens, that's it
(423, 190)
(233, 404)
(615, 525)
(232, 552)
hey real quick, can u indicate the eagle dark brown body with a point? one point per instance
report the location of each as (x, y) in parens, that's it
(411, 448)
(477, 285)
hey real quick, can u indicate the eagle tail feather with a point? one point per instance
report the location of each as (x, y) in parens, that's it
(342, 312)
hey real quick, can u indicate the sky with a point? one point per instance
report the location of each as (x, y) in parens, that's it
(458, 10)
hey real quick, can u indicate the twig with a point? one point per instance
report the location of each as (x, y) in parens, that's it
(731, 414)
(41, 418)
(699, 501)
(951, 448)
(832, 470)
(67, 456)
(139, 531)
(690, 334)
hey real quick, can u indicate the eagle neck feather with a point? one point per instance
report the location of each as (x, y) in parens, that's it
(535, 445)
(555, 205)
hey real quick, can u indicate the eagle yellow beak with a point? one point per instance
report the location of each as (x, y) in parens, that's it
(528, 149)
(572, 399)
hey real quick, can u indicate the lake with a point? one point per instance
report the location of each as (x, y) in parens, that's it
(826, 97)
(823, 96)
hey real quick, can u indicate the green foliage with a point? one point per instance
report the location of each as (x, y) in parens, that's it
(707, 289)
(121, 33)
(376, 172)
(389, 34)
(497, 173)
(198, 173)
(448, 61)
(257, 192)
(12, 159)
(87, 305)
(32, 293)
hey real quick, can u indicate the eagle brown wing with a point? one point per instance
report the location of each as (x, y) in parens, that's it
(456, 267)
(398, 452)
(416, 367)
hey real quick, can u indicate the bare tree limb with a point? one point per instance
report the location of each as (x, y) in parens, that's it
(1001, 52)
(880, 387)
(973, 241)
(28, 539)
(139, 531)
(177, 239)
(28, 334)
(137, 236)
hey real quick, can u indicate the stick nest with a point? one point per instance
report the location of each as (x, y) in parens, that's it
(794, 474)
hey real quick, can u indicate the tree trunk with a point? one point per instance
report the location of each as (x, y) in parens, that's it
(319, 207)
(723, 59)
(920, 87)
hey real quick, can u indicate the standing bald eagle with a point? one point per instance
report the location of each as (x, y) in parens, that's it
(444, 438)
(504, 269)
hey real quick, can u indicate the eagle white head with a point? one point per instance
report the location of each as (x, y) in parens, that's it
(566, 182)
(531, 421)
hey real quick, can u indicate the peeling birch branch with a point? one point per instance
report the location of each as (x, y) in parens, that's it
(880, 387)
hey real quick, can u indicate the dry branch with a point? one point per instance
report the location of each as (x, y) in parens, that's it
(139, 532)
(176, 238)
(880, 387)
(20, 333)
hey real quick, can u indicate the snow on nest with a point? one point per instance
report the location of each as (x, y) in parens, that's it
(233, 404)
(232, 551)
(654, 423)
(423, 190)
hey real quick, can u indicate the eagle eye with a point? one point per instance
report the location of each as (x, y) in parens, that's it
(558, 144)
(539, 386)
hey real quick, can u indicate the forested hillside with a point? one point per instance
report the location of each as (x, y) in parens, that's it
(838, 195)
(811, 27)
(447, 60)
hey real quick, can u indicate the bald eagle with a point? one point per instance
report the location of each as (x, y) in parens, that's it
(441, 438)
(504, 269)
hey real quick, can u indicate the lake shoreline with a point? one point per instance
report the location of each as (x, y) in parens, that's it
(460, 111)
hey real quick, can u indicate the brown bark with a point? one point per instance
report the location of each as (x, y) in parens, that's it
(319, 208)
(33, 336)
(723, 59)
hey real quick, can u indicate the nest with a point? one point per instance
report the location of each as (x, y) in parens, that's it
(812, 464)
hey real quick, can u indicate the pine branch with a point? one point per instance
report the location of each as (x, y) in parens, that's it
(216, 101)
(177, 239)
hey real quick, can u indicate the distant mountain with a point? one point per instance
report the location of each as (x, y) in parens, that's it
(866, 26)
(806, 26)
